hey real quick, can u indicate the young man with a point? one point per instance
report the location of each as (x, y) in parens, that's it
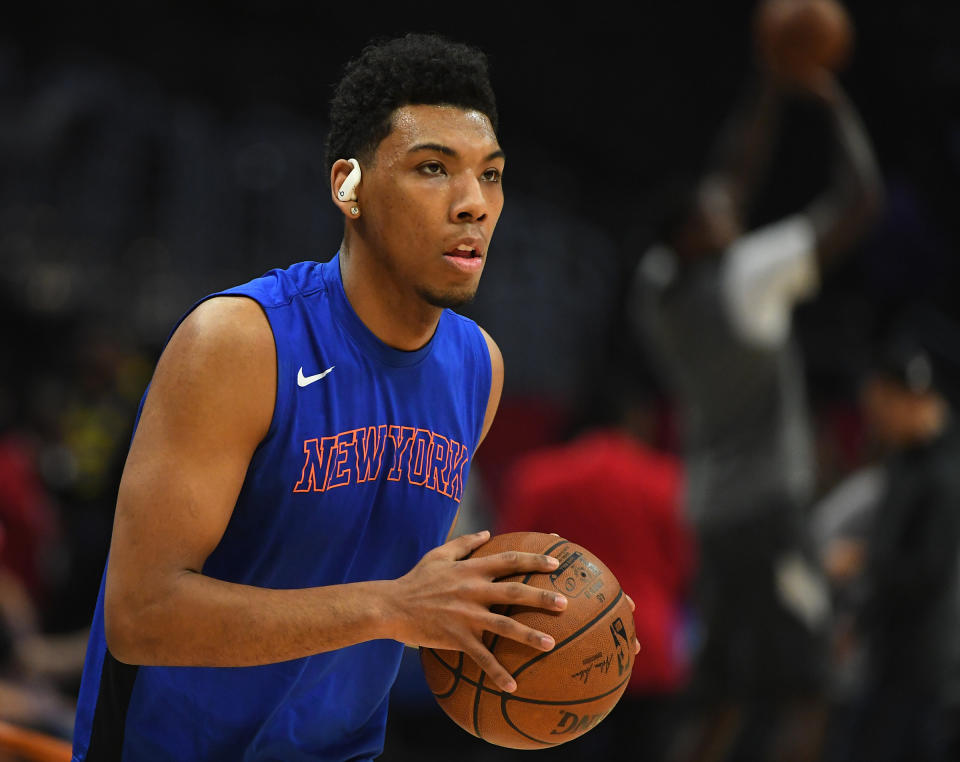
(301, 452)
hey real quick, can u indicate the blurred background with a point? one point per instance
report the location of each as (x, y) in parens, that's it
(151, 153)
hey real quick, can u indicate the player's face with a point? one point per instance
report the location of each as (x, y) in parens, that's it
(891, 411)
(431, 200)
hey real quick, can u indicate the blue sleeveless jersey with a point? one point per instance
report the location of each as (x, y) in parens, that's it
(359, 475)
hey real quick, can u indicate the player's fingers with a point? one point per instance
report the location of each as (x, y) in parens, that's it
(495, 671)
(518, 594)
(512, 629)
(633, 607)
(515, 562)
(461, 546)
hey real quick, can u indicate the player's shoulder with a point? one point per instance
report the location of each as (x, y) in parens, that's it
(465, 328)
(456, 321)
(468, 326)
(235, 319)
(280, 286)
(218, 371)
(224, 328)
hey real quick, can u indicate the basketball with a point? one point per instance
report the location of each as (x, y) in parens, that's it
(796, 37)
(562, 693)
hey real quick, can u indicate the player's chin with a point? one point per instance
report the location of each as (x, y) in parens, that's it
(450, 297)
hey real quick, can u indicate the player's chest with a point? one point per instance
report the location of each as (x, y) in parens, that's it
(350, 424)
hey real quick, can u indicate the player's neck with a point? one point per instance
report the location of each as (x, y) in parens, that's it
(402, 321)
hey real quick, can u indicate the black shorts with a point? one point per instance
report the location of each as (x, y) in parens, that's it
(753, 644)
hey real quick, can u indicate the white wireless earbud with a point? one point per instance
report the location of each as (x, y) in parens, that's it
(348, 191)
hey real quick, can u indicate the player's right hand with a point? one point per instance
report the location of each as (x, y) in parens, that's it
(444, 602)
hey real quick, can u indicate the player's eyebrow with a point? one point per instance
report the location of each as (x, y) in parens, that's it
(448, 151)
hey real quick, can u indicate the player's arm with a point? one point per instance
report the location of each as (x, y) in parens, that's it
(741, 152)
(210, 404)
(496, 384)
(855, 196)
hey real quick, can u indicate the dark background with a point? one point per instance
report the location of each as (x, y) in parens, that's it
(169, 149)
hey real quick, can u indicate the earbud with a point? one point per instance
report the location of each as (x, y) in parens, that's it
(348, 191)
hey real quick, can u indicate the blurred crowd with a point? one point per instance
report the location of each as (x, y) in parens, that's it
(780, 499)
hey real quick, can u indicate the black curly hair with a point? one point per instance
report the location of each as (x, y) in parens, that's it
(411, 70)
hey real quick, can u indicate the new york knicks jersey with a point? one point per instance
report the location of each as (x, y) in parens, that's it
(360, 474)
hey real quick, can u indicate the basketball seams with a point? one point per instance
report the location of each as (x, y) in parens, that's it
(526, 700)
(457, 673)
(573, 636)
(553, 547)
(506, 717)
(506, 698)
(476, 705)
(493, 648)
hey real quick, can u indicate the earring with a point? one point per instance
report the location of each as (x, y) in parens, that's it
(354, 210)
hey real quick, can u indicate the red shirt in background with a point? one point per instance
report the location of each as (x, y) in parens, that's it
(620, 500)
(28, 523)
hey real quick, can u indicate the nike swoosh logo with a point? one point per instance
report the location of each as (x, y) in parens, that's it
(303, 380)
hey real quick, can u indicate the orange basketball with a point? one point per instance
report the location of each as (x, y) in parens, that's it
(562, 693)
(796, 37)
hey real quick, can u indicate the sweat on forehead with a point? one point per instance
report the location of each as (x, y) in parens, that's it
(418, 119)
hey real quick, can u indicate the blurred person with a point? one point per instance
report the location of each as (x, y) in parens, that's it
(82, 461)
(28, 515)
(283, 517)
(714, 302)
(30, 662)
(909, 618)
(39, 671)
(608, 489)
(840, 525)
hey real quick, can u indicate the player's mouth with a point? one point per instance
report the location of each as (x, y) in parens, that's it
(467, 257)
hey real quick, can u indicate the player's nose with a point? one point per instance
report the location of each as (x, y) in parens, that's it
(469, 201)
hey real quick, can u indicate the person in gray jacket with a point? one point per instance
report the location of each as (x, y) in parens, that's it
(713, 303)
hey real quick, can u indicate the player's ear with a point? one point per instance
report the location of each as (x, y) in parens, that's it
(344, 184)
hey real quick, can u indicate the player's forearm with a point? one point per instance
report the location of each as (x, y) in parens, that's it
(856, 195)
(200, 621)
(856, 164)
(743, 149)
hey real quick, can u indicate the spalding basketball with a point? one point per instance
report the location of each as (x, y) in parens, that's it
(796, 37)
(562, 693)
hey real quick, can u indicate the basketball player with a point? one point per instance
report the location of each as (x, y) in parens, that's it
(301, 452)
(714, 301)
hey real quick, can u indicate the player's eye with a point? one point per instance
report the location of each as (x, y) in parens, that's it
(492, 175)
(432, 168)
